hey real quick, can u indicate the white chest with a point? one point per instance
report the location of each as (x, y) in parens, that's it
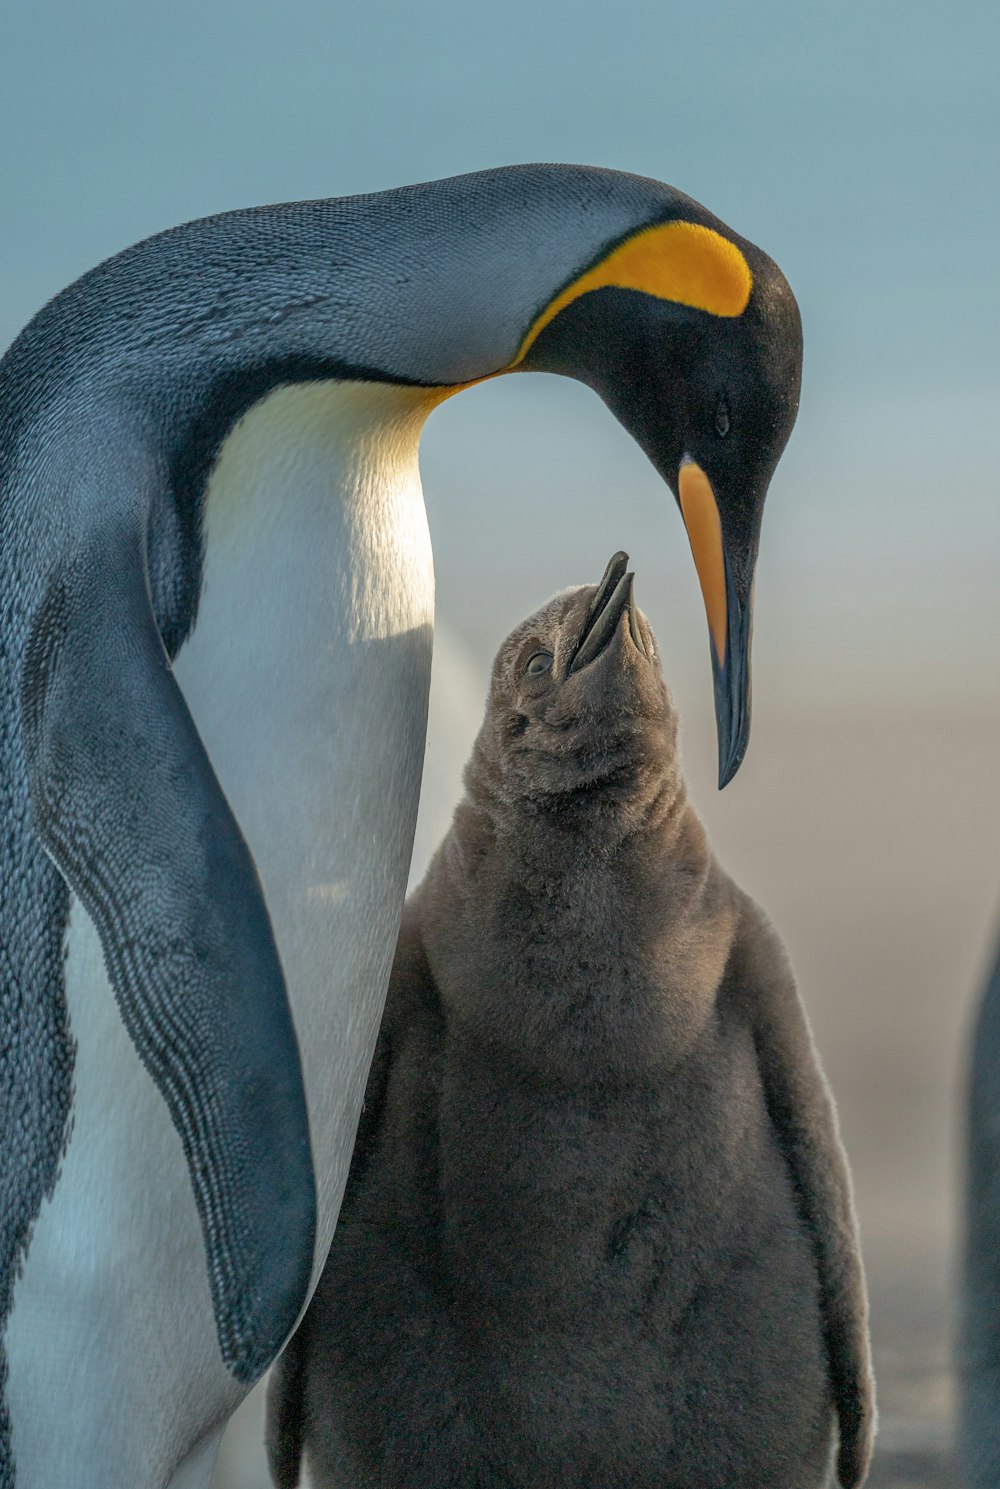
(307, 675)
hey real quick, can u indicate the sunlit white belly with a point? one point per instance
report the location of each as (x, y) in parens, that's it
(307, 676)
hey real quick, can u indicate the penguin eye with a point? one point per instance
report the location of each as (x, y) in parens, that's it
(722, 418)
(539, 662)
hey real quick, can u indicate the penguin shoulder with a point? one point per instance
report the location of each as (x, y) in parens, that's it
(759, 980)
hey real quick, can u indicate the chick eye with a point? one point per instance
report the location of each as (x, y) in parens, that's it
(539, 662)
(722, 418)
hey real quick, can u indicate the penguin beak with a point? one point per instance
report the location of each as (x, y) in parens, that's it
(615, 595)
(729, 606)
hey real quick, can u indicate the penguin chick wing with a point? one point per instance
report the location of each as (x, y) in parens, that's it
(802, 1112)
(286, 1427)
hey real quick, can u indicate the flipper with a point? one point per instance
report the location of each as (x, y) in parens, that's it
(804, 1119)
(127, 805)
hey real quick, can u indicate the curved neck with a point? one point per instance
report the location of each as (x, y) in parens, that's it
(437, 283)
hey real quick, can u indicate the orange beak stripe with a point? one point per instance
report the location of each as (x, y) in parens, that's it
(704, 530)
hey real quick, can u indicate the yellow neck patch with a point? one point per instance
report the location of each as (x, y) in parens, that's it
(679, 261)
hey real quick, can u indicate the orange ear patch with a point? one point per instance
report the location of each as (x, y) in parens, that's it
(679, 261)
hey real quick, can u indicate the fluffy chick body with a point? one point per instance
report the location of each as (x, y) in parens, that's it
(598, 1230)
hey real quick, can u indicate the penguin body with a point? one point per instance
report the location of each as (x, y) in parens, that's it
(109, 1277)
(215, 636)
(598, 1229)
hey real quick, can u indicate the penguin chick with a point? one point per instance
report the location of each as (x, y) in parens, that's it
(598, 1232)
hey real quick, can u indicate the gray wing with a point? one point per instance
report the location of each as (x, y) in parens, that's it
(126, 803)
(804, 1118)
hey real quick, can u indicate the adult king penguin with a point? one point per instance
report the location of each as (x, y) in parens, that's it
(217, 595)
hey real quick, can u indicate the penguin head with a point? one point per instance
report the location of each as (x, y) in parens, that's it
(692, 337)
(579, 715)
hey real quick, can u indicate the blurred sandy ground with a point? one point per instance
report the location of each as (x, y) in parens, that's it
(866, 818)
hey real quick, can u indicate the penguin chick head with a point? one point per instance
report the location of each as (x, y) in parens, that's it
(579, 717)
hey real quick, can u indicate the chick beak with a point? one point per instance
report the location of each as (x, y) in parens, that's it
(614, 597)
